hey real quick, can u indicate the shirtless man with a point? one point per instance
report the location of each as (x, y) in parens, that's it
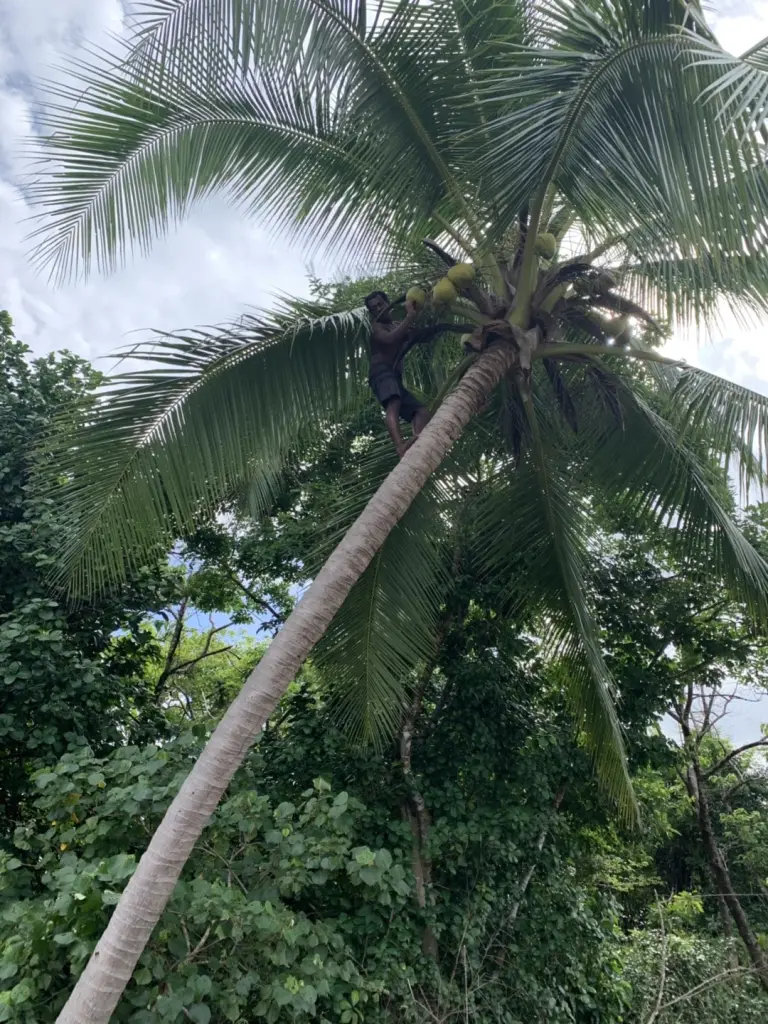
(388, 344)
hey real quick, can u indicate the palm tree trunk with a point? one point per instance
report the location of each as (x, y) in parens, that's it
(110, 968)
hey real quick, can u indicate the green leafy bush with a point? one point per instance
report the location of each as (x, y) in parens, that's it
(234, 944)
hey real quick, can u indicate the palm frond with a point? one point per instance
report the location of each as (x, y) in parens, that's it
(696, 290)
(163, 30)
(387, 627)
(695, 286)
(608, 105)
(741, 86)
(657, 471)
(729, 420)
(167, 444)
(537, 531)
(343, 138)
(135, 157)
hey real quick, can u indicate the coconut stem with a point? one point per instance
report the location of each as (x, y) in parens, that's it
(521, 307)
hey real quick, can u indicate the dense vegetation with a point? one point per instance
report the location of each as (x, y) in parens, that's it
(558, 184)
(469, 868)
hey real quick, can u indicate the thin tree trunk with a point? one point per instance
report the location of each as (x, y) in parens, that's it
(509, 919)
(110, 968)
(727, 927)
(722, 875)
(417, 815)
(515, 910)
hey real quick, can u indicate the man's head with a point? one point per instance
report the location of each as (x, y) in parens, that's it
(378, 306)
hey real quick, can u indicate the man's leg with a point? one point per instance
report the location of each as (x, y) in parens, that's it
(393, 426)
(421, 418)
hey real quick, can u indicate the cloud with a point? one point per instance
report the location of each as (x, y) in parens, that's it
(213, 267)
(739, 24)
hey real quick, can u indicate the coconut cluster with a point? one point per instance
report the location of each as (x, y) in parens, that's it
(447, 289)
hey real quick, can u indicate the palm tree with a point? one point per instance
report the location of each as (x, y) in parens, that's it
(618, 127)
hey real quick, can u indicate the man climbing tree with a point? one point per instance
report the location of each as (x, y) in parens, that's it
(389, 344)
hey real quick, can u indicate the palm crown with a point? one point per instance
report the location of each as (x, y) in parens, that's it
(619, 127)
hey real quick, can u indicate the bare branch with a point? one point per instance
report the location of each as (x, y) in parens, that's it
(511, 917)
(662, 966)
(714, 980)
(193, 661)
(173, 646)
(763, 742)
(255, 598)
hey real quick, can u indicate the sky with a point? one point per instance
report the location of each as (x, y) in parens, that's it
(216, 264)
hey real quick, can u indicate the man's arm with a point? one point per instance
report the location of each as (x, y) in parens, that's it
(397, 334)
(425, 334)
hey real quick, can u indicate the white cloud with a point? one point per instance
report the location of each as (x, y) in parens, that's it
(739, 24)
(212, 268)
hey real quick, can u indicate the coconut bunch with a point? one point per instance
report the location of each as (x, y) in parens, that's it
(573, 299)
(445, 291)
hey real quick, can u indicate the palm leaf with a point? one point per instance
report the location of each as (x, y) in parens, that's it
(387, 627)
(729, 419)
(305, 130)
(163, 30)
(608, 105)
(537, 531)
(741, 88)
(695, 289)
(136, 158)
(213, 410)
(656, 470)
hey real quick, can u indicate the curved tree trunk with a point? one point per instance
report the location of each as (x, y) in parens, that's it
(721, 874)
(110, 968)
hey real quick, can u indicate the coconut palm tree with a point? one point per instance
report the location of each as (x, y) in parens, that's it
(599, 163)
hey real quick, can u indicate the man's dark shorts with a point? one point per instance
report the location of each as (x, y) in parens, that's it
(386, 385)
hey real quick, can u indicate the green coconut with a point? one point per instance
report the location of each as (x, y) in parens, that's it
(416, 296)
(546, 245)
(461, 274)
(444, 292)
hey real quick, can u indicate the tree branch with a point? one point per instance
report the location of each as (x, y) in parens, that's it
(662, 967)
(256, 600)
(205, 654)
(714, 980)
(173, 646)
(763, 742)
(511, 917)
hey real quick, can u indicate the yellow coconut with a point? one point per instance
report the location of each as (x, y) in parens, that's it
(444, 292)
(416, 296)
(546, 245)
(461, 274)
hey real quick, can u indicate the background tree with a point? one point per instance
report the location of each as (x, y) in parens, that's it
(625, 122)
(541, 905)
(66, 675)
(487, 745)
